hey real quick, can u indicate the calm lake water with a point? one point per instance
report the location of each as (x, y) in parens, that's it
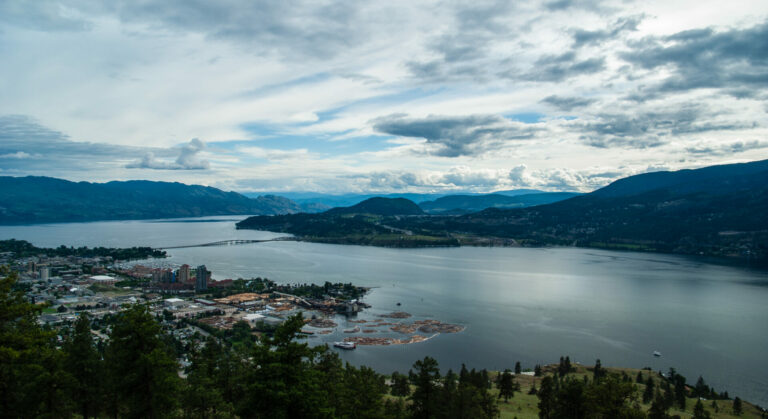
(527, 305)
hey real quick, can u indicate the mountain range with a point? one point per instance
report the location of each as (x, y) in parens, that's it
(43, 199)
(717, 210)
(35, 199)
(327, 201)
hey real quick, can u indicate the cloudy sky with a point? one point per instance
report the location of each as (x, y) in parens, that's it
(387, 96)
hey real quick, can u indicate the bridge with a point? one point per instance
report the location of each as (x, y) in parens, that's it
(231, 243)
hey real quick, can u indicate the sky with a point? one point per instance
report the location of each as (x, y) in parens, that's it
(380, 96)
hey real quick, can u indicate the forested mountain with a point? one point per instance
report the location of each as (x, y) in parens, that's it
(43, 199)
(379, 206)
(464, 204)
(364, 223)
(718, 211)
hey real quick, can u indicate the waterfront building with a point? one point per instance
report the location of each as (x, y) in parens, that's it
(164, 276)
(202, 274)
(183, 275)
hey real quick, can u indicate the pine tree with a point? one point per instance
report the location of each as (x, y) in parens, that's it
(32, 381)
(425, 397)
(658, 408)
(533, 389)
(701, 389)
(547, 395)
(507, 385)
(598, 371)
(518, 368)
(648, 392)
(202, 395)
(680, 391)
(84, 363)
(737, 406)
(537, 370)
(143, 375)
(639, 378)
(400, 386)
(364, 391)
(281, 378)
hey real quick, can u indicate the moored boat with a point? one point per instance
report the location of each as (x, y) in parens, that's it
(345, 345)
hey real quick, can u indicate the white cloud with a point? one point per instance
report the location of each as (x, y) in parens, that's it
(16, 155)
(301, 95)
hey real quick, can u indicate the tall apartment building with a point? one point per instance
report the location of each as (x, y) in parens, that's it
(183, 275)
(202, 274)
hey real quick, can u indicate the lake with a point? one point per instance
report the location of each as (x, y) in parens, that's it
(527, 305)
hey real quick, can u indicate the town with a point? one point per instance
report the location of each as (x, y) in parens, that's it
(187, 301)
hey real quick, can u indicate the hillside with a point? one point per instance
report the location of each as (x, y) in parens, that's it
(715, 211)
(379, 206)
(365, 224)
(319, 202)
(44, 199)
(464, 204)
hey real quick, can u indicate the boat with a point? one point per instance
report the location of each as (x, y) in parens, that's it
(656, 354)
(345, 345)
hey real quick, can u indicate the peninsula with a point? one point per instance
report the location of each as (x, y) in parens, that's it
(708, 211)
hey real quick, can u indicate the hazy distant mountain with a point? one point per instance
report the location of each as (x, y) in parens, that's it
(516, 192)
(317, 202)
(44, 199)
(464, 204)
(380, 206)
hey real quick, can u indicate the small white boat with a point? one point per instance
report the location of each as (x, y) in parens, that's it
(345, 345)
(656, 353)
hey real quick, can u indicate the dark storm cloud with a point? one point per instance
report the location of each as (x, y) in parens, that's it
(26, 145)
(556, 68)
(320, 29)
(454, 136)
(726, 149)
(560, 5)
(582, 37)
(462, 53)
(21, 133)
(733, 59)
(568, 103)
(290, 27)
(187, 159)
(41, 15)
(650, 129)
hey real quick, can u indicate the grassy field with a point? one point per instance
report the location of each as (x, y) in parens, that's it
(524, 406)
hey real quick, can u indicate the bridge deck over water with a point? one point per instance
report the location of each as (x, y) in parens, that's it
(231, 243)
